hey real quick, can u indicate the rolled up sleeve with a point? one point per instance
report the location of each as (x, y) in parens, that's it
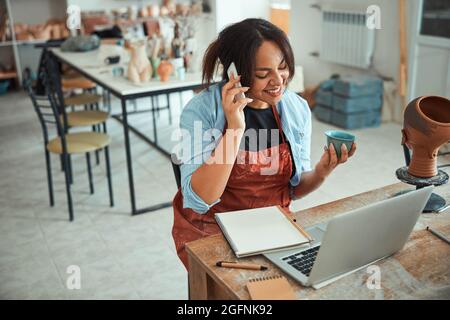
(305, 153)
(198, 144)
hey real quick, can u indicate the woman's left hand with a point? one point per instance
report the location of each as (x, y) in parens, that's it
(329, 160)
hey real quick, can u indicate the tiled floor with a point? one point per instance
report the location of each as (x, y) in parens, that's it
(123, 257)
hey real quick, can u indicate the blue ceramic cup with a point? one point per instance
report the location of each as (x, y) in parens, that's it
(337, 138)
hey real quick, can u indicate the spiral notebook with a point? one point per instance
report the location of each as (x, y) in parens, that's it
(256, 231)
(270, 288)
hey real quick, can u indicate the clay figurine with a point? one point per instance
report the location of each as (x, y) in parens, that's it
(177, 42)
(139, 68)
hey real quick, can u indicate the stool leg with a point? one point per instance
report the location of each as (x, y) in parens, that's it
(62, 162)
(67, 176)
(88, 162)
(97, 159)
(108, 171)
(69, 166)
(49, 178)
(108, 174)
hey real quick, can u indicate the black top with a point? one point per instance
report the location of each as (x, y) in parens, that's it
(261, 129)
(255, 137)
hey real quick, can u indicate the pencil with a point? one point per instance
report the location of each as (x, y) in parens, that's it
(298, 227)
(250, 266)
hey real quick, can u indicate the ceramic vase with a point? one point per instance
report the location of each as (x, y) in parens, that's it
(426, 128)
(155, 61)
(165, 68)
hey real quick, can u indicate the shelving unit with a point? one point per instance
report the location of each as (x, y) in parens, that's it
(23, 52)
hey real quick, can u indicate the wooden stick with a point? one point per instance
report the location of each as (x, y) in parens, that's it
(403, 69)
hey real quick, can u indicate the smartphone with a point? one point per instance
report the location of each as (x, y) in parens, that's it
(233, 71)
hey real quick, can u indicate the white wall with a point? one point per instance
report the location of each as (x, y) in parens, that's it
(230, 11)
(305, 35)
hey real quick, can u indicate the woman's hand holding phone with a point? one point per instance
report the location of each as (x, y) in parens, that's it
(234, 109)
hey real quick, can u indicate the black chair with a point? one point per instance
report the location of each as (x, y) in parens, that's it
(176, 163)
(90, 116)
(65, 143)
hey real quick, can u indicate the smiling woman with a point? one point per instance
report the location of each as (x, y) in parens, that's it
(263, 146)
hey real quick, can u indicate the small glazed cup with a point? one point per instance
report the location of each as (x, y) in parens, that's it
(337, 138)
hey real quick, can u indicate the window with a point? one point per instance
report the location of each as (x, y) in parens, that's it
(436, 18)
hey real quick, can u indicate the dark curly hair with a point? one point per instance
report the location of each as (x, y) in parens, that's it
(238, 43)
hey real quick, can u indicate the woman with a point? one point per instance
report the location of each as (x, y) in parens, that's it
(229, 167)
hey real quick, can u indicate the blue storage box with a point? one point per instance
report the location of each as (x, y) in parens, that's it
(323, 113)
(327, 85)
(357, 86)
(358, 104)
(324, 98)
(4, 84)
(356, 120)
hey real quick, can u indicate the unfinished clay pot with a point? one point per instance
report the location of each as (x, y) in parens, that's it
(165, 68)
(153, 10)
(426, 128)
(139, 68)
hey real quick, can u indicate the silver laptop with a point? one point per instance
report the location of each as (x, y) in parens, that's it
(353, 240)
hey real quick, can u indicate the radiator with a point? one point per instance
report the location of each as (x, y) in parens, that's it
(346, 39)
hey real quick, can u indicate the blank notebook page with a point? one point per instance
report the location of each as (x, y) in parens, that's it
(258, 230)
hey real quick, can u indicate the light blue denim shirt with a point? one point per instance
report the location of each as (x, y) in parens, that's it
(206, 109)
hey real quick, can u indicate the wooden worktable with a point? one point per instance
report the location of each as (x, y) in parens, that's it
(421, 270)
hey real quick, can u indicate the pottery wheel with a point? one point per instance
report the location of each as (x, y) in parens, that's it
(439, 179)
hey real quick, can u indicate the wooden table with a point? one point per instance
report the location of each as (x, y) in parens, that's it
(421, 270)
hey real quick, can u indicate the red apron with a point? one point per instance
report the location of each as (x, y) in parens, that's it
(246, 188)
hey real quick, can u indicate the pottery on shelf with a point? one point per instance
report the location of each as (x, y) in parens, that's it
(139, 68)
(132, 12)
(177, 42)
(182, 9)
(426, 128)
(143, 12)
(153, 10)
(170, 6)
(155, 61)
(165, 68)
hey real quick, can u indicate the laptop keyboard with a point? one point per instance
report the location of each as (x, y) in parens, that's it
(303, 261)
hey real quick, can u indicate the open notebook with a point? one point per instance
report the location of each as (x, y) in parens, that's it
(256, 231)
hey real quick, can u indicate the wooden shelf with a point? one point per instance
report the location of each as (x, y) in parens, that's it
(21, 42)
(34, 41)
(8, 75)
(6, 43)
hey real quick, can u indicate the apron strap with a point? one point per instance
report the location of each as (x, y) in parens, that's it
(277, 119)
